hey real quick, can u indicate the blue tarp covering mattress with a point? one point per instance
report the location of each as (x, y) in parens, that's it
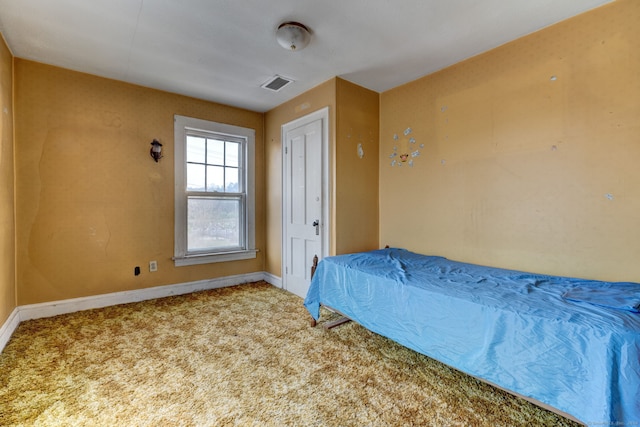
(572, 344)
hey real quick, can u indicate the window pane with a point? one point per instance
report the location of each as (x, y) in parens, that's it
(195, 177)
(232, 154)
(215, 178)
(195, 149)
(231, 180)
(213, 224)
(215, 152)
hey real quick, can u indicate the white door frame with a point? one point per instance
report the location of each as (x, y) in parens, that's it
(322, 114)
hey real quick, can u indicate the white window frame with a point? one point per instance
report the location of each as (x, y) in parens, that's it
(183, 125)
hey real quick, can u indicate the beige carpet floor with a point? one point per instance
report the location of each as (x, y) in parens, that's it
(238, 356)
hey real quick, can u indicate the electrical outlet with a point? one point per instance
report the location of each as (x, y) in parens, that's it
(153, 266)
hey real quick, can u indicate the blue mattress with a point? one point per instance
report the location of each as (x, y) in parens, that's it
(572, 344)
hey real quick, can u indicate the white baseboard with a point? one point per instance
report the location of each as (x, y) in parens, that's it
(8, 327)
(54, 308)
(273, 280)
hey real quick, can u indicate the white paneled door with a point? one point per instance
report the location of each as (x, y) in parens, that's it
(304, 220)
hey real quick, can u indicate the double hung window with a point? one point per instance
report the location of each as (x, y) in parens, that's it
(214, 201)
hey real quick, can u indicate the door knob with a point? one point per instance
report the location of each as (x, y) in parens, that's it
(316, 224)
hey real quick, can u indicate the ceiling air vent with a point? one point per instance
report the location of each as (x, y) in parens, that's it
(276, 83)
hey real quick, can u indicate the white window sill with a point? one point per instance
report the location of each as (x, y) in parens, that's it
(211, 258)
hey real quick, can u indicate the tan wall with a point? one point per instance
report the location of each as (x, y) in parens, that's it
(91, 203)
(356, 189)
(8, 299)
(530, 155)
(313, 100)
(528, 162)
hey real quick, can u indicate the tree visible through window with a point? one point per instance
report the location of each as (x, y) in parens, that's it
(217, 203)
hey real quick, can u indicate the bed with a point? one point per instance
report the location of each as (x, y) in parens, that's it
(571, 344)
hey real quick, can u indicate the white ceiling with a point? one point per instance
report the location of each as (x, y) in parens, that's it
(223, 50)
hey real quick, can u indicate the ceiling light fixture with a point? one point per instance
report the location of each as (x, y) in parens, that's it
(293, 36)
